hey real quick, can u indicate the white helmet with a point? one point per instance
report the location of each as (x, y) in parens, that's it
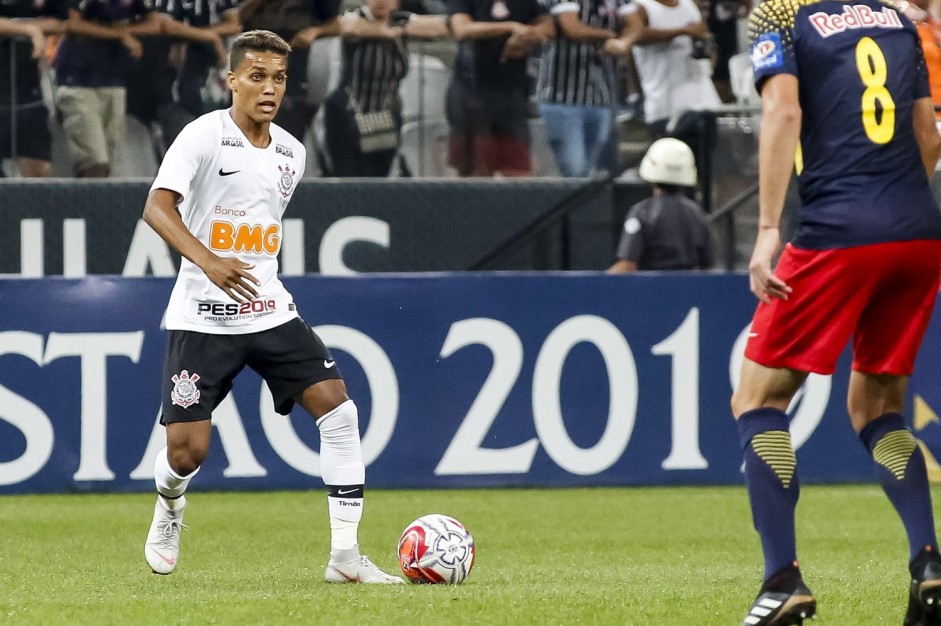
(669, 161)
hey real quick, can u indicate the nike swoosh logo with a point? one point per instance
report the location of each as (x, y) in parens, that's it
(224, 173)
(329, 364)
(168, 561)
(340, 492)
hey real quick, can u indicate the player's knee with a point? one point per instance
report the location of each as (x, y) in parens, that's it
(184, 460)
(745, 400)
(341, 421)
(741, 403)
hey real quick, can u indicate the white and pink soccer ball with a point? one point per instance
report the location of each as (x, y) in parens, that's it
(436, 549)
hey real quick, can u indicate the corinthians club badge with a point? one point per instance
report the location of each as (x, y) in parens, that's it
(184, 391)
(286, 181)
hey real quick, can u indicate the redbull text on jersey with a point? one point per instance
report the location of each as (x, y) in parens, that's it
(247, 238)
(854, 16)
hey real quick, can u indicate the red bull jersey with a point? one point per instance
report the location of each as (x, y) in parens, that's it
(860, 68)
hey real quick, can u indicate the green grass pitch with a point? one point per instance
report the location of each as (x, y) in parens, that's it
(639, 556)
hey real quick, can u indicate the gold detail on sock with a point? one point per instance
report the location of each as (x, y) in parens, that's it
(894, 450)
(774, 448)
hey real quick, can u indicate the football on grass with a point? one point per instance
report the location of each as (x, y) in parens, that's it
(436, 549)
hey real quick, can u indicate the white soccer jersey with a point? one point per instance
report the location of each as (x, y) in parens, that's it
(234, 195)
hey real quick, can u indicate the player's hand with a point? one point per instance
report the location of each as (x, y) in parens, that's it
(222, 55)
(232, 276)
(304, 38)
(616, 47)
(764, 284)
(699, 30)
(133, 46)
(515, 48)
(38, 39)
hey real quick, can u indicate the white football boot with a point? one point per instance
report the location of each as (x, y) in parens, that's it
(358, 569)
(163, 541)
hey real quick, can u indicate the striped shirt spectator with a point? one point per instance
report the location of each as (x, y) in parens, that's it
(374, 62)
(300, 23)
(218, 17)
(577, 77)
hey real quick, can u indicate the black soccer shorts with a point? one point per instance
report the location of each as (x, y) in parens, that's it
(199, 368)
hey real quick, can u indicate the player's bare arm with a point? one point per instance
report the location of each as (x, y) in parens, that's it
(571, 25)
(181, 30)
(310, 34)
(780, 134)
(25, 28)
(926, 133)
(639, 25)
(78, 25)
(228, 274)
(463, 27)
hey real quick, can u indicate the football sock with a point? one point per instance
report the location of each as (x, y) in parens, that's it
(901, 467)
(773, 488)
(170, 485)
(341, 462)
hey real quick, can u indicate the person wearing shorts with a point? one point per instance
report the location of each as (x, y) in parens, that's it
(218, 200)
(853, 104)
(101, 38)
(488, 99)
(24, 118)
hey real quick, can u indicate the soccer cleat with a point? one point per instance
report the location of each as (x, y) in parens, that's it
(358, 570)
(163, 541)
(924, 596)
(774, 607)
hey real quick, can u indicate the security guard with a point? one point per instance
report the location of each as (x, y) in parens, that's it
(667, 231)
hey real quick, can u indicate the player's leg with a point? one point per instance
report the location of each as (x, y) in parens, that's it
(887, 339)
(82, 124)
(187, 445)
(759, 405)
(788, 338)
(198, 373)
(875, 406)
(344, 474)
(299, 369)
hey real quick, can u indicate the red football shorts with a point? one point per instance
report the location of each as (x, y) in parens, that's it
(881, 295)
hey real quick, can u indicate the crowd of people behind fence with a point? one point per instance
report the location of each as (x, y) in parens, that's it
(161, 61)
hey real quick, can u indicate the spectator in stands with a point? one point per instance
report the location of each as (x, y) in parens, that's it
(668, 231)
(488, 98)
(300, 23)
(577, 77)
(722, 19)
(24, 25)
(101, 36)
(929, 31)
(150, 78)
(210, 22)
(362, 116)
(671, 79)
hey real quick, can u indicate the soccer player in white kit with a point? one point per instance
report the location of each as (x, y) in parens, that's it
(218, 200)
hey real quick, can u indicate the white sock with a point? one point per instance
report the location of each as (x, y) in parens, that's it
(341, 465)
(170, 485)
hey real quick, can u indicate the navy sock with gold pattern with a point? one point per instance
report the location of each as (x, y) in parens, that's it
(901, 467)
(773, 488)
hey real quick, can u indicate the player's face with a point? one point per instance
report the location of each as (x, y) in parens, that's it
(258, 85)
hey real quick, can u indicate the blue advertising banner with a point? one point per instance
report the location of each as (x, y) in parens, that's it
(461, 380)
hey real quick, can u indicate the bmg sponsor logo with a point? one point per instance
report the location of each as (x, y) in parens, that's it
(248, 238)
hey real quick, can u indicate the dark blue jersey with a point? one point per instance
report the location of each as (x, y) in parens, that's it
(860, 68)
